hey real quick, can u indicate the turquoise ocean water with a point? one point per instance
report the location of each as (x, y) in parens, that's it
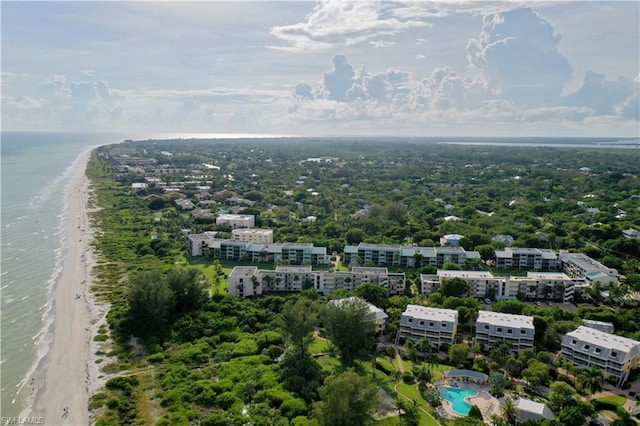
(36, 169)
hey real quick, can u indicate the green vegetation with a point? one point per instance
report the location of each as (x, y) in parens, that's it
(182, 351)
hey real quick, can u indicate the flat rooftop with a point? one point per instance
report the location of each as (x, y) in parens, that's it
(287, 268)
(243, 271)
(505, 320)
(446, 273)
(428, 313)
(369, 270)
(583, 261)
(548, 275)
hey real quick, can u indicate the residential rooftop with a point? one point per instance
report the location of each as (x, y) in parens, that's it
(428, 313)
(506, 320)
(603, 339)
(446, 273)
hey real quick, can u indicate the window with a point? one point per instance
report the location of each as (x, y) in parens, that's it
(509, 331)
(486, 327)
(444, 325)
(430, 324)
(499, 329)
(421, 322)
(573, 341)
(410, 320)
(586, 347)
(614, 354)
(598, 350)
(523, 331)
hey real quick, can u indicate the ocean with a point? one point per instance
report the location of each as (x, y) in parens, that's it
(36, 169)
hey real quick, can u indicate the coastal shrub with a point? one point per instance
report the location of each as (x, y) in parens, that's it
(97, 400)
(113, 403)
(383, 368)
(123, 383)
(100, 337)
(156, 358)
(408, 378)
(245, 347)
(111, 420)
(293, 407)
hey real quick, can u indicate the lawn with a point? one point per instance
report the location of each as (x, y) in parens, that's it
(617, 400)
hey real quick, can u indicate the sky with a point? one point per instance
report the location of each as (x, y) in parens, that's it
(403, 68)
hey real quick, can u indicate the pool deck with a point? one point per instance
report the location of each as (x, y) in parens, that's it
(487, 403)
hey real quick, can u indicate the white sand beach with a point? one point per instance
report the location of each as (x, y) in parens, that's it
(68, 373)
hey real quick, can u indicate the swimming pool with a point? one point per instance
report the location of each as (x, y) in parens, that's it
(456, 396)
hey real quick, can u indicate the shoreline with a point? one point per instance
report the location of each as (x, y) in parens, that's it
(68, 374)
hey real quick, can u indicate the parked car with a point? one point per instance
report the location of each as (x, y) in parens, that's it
(550, 303)
(538, 303)
(487, 301)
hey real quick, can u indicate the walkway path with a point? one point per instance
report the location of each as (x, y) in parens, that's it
(399, 362)
(419, 408)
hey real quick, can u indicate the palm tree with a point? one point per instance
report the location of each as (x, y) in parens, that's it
(424, 346)
(496, 420)
(509, 411)
(591, 381)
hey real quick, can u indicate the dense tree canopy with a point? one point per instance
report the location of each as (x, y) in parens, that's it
(350, 326)
(346, 400)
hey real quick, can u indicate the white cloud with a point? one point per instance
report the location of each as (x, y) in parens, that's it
(516, 52)
(342, 23)
(605, 96)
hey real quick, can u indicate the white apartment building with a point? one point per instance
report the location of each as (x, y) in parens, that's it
(582, 266)
(526, 258)
(607, 327)
(244, 282)
(288, 278)
(437, 325)
(237, 220)
(615, 355)
(536, 285)
(252, 235)
(197, 243)
(380, 317)
(409, 256)
(479, 281)
(492, 327)
(543, 285)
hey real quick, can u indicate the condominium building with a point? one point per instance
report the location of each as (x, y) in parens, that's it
(536, 285)
(437, 325)
(405, 256)
(615, 355)
(198, 243)
(291, 253)
(236, 220)
(252, 235)
(481, 283)
(532, 259)
(607, 327)
(492, 327)
(379, 316)
(287, 278)
(327, 282)
(542, 285)
(582, 266)
(244, 282)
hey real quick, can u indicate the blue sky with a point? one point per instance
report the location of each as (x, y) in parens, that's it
(323, 68)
